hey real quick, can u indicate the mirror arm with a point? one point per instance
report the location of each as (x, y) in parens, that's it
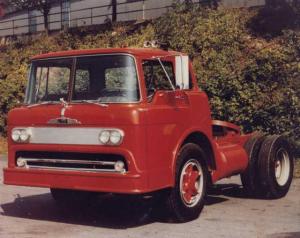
(166, 73)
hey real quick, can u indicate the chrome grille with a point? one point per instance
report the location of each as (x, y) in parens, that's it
(69, 161)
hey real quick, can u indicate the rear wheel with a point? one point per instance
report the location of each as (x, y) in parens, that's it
(186, 200)
(250, 177)
(276, 166)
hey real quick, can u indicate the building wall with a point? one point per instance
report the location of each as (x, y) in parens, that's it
(89, 12)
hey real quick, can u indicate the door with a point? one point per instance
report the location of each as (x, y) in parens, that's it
(167, 111)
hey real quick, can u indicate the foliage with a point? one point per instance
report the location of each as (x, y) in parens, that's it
(251, 81)
(43, 6)
(275, 17)
(31, 4)
(3, 145)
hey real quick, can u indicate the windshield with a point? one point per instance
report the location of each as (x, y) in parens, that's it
(105, 78)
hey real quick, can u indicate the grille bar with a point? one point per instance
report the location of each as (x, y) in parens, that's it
(64, 161)
(68, 164)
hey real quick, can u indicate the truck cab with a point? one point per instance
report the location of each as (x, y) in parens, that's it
(125, 120)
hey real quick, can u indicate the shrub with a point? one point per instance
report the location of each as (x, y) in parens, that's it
(250, 81)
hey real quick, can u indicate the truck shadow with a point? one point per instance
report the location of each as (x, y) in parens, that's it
(228, 190)
(109, 211)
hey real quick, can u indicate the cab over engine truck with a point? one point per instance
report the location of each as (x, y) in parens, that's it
(133, 121)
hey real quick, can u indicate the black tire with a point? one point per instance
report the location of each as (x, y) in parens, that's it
(276, 166)
(250, 177)
(189, 155)
(69, 197)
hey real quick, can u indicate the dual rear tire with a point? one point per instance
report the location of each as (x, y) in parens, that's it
(271, 165)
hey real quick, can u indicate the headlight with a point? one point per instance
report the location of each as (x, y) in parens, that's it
(104, 137)
(115, 137)
(15, 135)
(111, 137)
(20, 135)
(24, 136)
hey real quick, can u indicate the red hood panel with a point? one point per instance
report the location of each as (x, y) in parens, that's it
(86, 114)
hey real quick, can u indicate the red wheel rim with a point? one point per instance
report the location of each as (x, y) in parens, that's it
(191, 183)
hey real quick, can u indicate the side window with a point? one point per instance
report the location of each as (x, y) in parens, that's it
(155, 76)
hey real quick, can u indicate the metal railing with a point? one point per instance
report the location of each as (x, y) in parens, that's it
(87, 16)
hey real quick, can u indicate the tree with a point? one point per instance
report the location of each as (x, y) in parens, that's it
(43, 6)
(275, 17)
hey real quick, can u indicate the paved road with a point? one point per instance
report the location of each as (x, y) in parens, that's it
(31, 212)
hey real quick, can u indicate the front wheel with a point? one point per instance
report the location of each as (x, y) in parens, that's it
(186, 200)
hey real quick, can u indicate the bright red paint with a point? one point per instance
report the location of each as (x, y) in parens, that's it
(154, 133)
(188, 183)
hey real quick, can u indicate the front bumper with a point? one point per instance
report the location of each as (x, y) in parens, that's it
(90, 181)
(132, 182)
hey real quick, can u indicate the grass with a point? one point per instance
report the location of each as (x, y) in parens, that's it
(3, 145)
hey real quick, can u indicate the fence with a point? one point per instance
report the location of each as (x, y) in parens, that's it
(58, 18)
(80, 17)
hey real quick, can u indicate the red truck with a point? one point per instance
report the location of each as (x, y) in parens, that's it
(133, 121)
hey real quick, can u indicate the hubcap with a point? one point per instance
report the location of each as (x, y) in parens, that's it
(191, 183)
(282, 167)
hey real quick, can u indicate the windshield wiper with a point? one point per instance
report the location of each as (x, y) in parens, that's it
(43, 103)
(95, 102)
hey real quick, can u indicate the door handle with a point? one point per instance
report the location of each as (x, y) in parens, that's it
(179, 97)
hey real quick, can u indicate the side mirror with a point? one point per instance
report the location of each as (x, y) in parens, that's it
(182, 71)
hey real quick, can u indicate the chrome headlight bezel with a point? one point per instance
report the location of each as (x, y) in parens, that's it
(113, 137)
(20, 135)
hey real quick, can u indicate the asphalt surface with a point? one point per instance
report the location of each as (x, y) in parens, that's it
(31, 212)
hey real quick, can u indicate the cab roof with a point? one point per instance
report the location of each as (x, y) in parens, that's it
(143, 52)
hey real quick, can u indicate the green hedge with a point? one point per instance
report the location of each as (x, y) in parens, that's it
(251, 81)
